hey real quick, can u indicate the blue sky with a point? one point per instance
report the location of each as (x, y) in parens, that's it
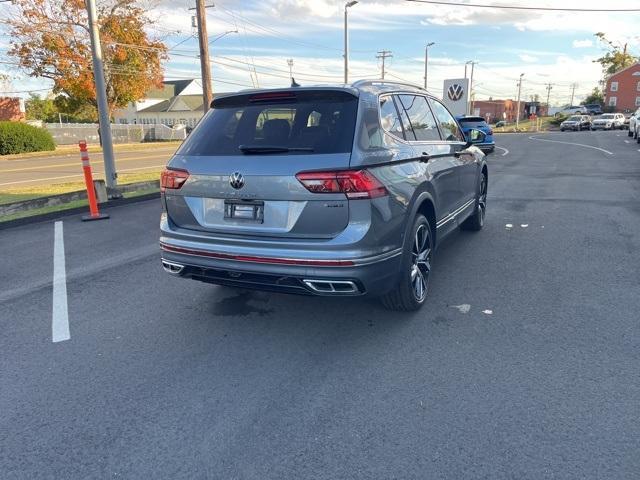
(547, 47)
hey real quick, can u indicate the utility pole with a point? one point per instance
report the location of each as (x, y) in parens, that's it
(290, 63)
(573, 92)
(426, 62)
(470, 105)
(549, 87)
(205, 66)
(518, 104)
(111, 177)
(384, 54)
(346, 39)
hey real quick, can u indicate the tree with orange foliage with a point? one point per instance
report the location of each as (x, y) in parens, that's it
(50, 39)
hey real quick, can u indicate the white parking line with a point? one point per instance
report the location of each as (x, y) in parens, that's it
(627, 141)
(60, 314)
(572, 143)
(505, 151)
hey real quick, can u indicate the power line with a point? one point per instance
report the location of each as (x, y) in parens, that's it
(523, 7)
(26, 91)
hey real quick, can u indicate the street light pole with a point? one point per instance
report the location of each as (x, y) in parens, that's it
(426, 62)
(111, 177)
(518, 104)
(346, 39)
(471, 88)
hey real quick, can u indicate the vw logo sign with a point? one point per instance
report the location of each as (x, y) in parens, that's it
(236, 180)
(454, 92)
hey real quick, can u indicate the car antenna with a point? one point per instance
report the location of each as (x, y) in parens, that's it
(294, 83)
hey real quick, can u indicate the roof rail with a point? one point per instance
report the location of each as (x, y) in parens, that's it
(370, 81)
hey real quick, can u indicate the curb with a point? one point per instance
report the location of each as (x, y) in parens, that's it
(62, 198)
(74, 211)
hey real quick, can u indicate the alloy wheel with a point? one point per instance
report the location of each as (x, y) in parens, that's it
(421, 262)
(482, 199)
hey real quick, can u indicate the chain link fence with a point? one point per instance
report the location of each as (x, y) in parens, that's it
(72, 133)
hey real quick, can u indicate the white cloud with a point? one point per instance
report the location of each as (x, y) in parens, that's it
(528, 58)
(582, 43)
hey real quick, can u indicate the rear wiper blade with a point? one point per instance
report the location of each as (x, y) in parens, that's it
(272, 149)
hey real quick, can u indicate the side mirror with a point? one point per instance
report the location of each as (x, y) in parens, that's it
(475, 136)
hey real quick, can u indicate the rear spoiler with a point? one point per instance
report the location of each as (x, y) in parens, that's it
(289, 95)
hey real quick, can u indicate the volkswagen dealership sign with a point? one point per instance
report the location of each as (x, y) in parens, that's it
(456, 95)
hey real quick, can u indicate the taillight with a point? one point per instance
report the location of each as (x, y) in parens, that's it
(354, 184)
(172, 179)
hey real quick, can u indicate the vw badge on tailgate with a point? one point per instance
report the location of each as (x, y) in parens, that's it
(236, 180)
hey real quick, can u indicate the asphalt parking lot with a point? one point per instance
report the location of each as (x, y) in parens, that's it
(525, 364)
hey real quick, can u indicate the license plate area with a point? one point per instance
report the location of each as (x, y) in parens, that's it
(244, 210)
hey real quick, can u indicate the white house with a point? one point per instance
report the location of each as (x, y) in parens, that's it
(177, 102)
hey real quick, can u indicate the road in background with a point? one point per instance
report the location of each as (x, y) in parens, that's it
(523, 364)
(68, 168)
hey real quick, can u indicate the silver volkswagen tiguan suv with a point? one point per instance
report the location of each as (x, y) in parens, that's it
(331, 191)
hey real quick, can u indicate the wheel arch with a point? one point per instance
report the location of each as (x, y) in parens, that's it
(424, 204)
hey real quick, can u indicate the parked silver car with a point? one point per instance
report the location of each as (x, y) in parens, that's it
(340, 190)
(576, 122)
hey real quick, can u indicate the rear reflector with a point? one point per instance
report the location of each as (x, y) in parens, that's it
(172, 179)
(252, 259)
(355, 184)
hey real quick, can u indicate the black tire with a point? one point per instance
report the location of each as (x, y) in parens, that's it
(413, 286)
(638, 138)
(476, 221)
(629, 133)
(562, 129)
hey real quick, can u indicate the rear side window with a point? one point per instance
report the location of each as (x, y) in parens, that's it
(389, 117)
(420, 117)
(308, 122)
(448, 125)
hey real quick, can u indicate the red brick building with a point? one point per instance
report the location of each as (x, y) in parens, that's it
(495, 110)
(622, 92)
(11, 109)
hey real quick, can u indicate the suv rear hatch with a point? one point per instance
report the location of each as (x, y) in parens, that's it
(236, 173)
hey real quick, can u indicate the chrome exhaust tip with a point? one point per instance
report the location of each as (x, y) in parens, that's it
(332, 287)
(172, 268)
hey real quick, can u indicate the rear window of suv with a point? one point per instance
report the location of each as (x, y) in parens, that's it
(305, 122)
(472, 122)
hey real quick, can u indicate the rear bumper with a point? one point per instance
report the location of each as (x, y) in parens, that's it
(335, 277)
(486, 146)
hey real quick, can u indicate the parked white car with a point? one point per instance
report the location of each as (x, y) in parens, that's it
(608, 121)
(634, 120)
